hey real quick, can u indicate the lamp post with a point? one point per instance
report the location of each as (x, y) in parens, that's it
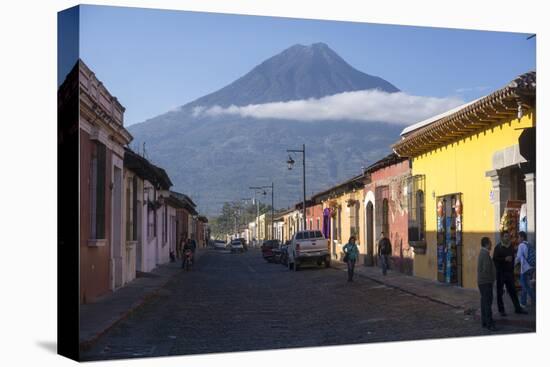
(272, 203)
(290, 163)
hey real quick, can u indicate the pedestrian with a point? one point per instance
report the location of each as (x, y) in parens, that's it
(384, 252)
(193, 246)
(526, 259)
(485, 281)
(503, 257)
(351, 252)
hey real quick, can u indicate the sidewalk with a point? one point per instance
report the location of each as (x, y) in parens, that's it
(98, 317)
(453, 296)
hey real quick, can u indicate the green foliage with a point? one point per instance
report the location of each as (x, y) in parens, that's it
(235, 215)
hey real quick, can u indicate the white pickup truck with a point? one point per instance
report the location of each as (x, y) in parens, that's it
(308, 247)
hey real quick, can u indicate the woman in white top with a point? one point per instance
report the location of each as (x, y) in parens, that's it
(526, 270)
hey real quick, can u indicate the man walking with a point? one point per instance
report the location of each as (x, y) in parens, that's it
(526, 259)
(503, 257)
(485, 280)
(384, 251)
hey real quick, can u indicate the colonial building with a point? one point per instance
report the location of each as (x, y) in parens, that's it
(202, 231)
(264, 227)
(292, 222)
(342, 214)
(102, 140)
(155, 248)
(385, 207)
(149, 209)
(184, 219)
(473, 171)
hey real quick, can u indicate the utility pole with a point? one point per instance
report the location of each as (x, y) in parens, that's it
(272, 203)
(272, 214)
(291, 162)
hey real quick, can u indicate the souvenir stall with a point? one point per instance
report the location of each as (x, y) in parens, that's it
(449, 239)
(514, 220)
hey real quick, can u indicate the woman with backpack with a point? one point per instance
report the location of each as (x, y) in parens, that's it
(351, 252)
(526, 259)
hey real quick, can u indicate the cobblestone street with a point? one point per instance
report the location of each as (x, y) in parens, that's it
(238, 302)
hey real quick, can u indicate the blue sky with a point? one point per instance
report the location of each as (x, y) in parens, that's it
(156, 60)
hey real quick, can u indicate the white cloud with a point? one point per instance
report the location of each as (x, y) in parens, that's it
(370, 105)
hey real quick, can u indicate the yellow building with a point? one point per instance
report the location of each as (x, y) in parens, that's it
(264, 227)
(475, 163)
(292, 222)
(345, 201)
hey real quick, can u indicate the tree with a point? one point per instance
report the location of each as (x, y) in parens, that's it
(234, 215)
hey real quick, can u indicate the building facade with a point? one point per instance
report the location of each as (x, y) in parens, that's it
(102, 138)
(385, 210)
(477, 177)
(341, 215)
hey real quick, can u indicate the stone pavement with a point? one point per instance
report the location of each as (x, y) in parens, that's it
(99, 317)
(240, 302)
(457, 297)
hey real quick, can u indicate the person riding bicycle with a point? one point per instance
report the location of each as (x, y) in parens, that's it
(193, 246)
(188, 247)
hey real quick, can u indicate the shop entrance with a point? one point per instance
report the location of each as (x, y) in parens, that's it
(449, 239)
(513, 197)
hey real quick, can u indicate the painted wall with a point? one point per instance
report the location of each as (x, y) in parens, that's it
(346, 217)
(94, 261)
(394, 177)
(460, 167)
(130, 247)
(314, 213)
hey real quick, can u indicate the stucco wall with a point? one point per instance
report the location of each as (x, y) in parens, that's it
(94, 261)
(394, 177)
(460, 168)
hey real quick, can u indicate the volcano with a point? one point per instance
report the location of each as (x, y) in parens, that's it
(216, 158)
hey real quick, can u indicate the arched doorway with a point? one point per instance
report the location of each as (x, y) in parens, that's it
(369, 260)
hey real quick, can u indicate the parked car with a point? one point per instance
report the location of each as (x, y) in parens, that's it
(308, 247)
(236, 246)
(243, 241)
(267, 249)
(276, 254)
(219, 245)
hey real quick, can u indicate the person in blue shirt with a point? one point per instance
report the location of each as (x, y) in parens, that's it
(351, 254)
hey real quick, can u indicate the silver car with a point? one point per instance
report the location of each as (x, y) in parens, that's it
(236, 246)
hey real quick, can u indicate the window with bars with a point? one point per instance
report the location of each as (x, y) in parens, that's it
(151, 217)
(416, 202)
(354, 219)
(339, 224)
(385, 216)
(165, 225)
(97, 190)
(135, 206)
(381, 196)
(131, 209)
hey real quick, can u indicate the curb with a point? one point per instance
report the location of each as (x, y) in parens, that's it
(84, 345)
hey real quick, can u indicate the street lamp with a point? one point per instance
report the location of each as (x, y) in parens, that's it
(290, 163)
(272, 203)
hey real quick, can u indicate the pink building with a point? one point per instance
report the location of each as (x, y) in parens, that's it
(386, 209)
(102, 138)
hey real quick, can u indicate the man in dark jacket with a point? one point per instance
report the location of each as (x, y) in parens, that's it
(503, 256)
(384, 252)
(485, 281)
